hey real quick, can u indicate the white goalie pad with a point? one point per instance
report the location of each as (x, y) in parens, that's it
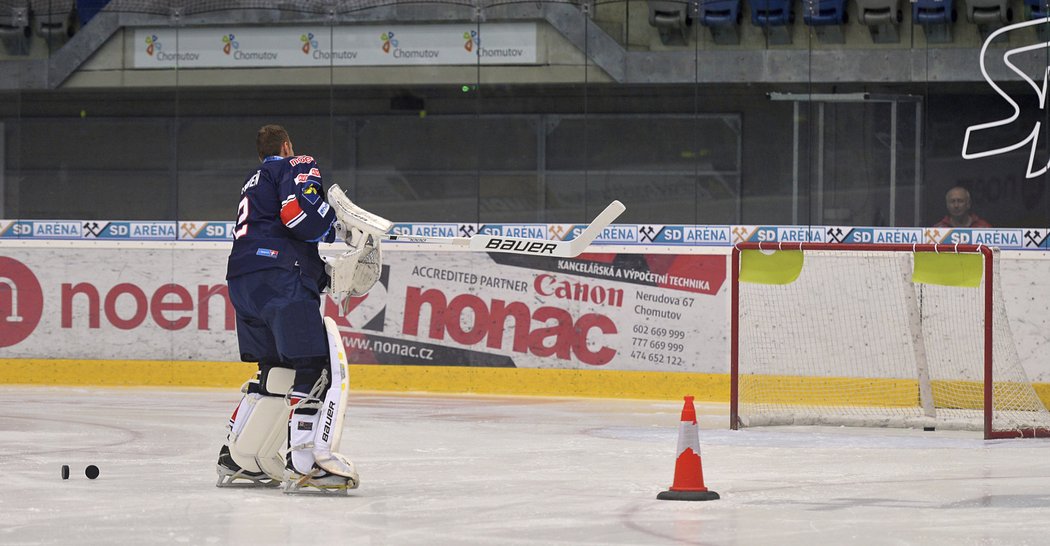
(330, 430)
(315, 438)
(256, 443)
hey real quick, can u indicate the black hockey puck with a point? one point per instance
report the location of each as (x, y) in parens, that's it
(65, 472)
(91, 471)
(928, 429)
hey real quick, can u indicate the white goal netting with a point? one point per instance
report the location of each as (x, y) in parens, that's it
(853, 341)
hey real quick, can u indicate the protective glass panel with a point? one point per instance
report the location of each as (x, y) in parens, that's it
(820, 113)
(984, 124)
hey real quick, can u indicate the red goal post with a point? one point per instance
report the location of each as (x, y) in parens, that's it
(819, 412)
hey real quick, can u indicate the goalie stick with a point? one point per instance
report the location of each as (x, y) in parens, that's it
(517, 245)
(367, 222)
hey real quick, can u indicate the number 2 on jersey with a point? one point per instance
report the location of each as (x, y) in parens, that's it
(242, 219)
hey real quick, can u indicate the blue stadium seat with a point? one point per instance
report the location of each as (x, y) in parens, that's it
(722, 18)
(772, 13)
(1037, 9)
(933, 12)
(824, 12)
(826, 17)
(936, 18)
(720, 13)
(86, 9)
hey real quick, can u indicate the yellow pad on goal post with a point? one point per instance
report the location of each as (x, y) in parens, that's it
(948, 269)
(765, 267)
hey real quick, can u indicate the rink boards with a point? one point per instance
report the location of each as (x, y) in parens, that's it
(646, 322)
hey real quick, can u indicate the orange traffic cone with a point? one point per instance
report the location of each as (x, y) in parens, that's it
(688, 473)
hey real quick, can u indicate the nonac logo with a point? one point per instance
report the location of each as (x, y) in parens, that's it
(472, 39)
(229, 43)
(389, 42)
(152, 44)
(21, 301)
(1040, 88)
(308, 42)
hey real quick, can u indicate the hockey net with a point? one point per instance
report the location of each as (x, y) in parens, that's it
(854, 341)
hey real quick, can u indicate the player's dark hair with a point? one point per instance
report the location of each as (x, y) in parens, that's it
(270, 139)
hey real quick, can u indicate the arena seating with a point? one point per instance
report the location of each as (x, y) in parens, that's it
(1039, 9)
(827, 18)
(14, 26)
(671, 19)
(775, 17)
(936, 18)
(988, 15)
(87, 9)
(53, 20)
(883, 19)
(722, 18)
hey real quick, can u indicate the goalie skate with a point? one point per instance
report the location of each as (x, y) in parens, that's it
(232, 475)
(317, 481)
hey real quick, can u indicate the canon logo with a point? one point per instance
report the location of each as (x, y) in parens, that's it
(549, 285)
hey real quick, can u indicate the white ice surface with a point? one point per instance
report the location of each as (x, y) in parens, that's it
(505, 470)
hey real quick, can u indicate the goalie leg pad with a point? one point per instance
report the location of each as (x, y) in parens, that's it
(247, 473)
(241, 415)
(316, 424)
(257, 438)
(329, 435)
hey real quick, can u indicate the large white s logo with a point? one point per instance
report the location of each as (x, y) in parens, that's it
(1032, 139)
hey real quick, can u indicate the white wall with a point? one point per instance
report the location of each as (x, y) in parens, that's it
(166, 300)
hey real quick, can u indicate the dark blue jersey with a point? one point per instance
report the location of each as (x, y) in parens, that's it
(281, 217)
